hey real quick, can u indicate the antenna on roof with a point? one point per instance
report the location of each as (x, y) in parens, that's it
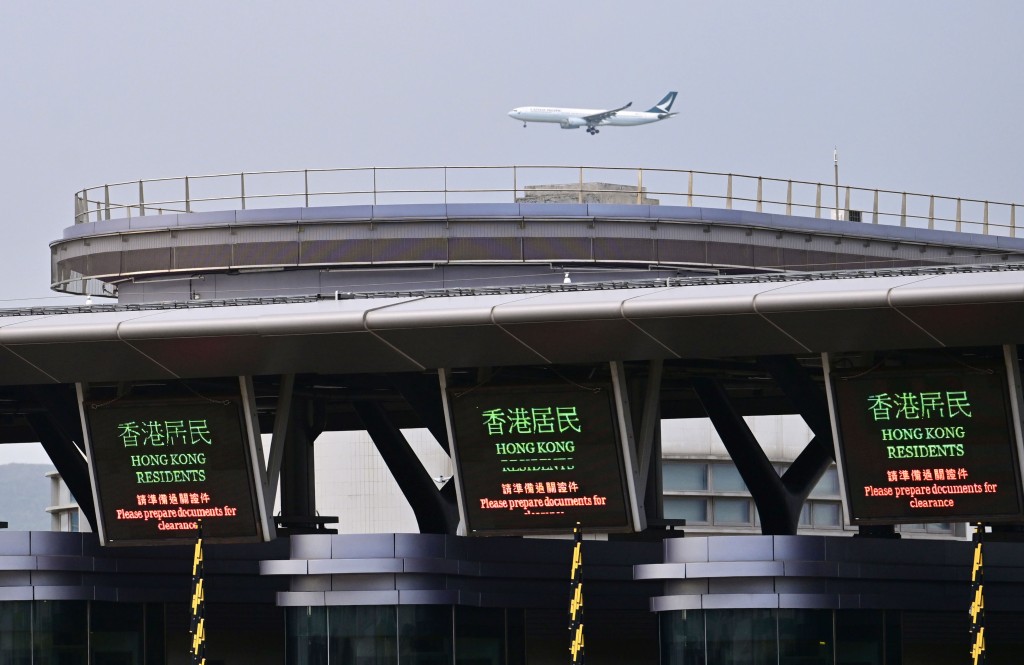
(835, 162)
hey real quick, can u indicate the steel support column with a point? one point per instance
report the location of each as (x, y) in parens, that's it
(424, 396)
(779, 500)
(435, 510)
(59, 429)
(779, 510)
(298, 472)
(810, 402)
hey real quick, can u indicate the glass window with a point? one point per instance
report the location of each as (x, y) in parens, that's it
(60, 631)
(732, 511)
(155, 622)
(685, 477)
(515, 636)
(805, 514)
(116, 632)
(363, 635)
(424, 634)
(741, 637)
(859, 637)
(692, 509)
(828, 485)
(16, 632)
(307, 635)
(726, 478)
(479, 636)
(825, 514)
(682, 637)
(805, 637)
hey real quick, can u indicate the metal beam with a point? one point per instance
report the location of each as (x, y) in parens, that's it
(779, 510)
(298, 471)
(59, 430)
(435, 511)
(277, 439)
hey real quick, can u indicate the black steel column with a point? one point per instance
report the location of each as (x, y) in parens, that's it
(779, 510)
(435, 510)
(810, 402)
(59, 427)
(298, 471)
(779, 500)
(423, 393)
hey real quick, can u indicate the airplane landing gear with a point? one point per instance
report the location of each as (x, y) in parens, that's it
(593, 130)
(524, 125)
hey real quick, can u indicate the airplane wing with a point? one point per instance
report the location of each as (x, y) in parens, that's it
(604, 115)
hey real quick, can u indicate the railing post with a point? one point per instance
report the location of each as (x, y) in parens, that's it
(728, 194)
(1013, 221)
(639, 186)
(847, 209)
(903, 210)
(581, 186)
(374, 185)
(958, 218)
(817, 202)
(689, 191)
(515, 184)
(305, 184)
(142, 201)
(874, 213)
(789, 197)
(931, 211)
(445, 195)
(759, 193)
(242, 178)
(985, 223)
(106, 201)
(188, 199)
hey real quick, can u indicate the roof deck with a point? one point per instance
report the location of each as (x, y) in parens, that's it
(216, 236)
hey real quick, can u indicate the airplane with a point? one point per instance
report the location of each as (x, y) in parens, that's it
(592, 118)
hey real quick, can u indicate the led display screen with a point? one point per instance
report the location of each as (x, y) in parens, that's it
(928, 446)
(158, 466)
(539, 459)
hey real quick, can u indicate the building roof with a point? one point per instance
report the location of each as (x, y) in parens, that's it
(414, 331)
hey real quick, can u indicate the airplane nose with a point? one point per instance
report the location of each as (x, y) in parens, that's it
(513, 113)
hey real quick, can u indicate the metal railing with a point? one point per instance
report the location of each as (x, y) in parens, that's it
(480, 184)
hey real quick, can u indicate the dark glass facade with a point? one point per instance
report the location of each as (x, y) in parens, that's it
(72, 632)
(831, 637)
(407, 634)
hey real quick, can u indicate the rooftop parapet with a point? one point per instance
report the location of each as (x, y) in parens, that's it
(506, 184)
(321, 231)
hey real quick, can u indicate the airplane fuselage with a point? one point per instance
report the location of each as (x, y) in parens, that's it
(594, 118)
(575, 117)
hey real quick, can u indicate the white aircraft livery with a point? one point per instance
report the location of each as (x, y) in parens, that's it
(593, 118)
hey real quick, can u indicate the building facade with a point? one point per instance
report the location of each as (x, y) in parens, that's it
(351, 314)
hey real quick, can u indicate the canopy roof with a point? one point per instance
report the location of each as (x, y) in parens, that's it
(693, 319)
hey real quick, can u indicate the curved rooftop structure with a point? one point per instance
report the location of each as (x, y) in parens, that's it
(499, 266)
(451, 227)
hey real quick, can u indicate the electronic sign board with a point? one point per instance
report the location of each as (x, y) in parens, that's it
(539, 459)
(935, 445)
(160, 465)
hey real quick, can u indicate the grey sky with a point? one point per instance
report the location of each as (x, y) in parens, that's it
(922, 96)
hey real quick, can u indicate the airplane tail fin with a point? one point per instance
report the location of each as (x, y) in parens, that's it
(665, 105)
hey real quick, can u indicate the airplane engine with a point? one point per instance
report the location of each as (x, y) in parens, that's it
(573, 123)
